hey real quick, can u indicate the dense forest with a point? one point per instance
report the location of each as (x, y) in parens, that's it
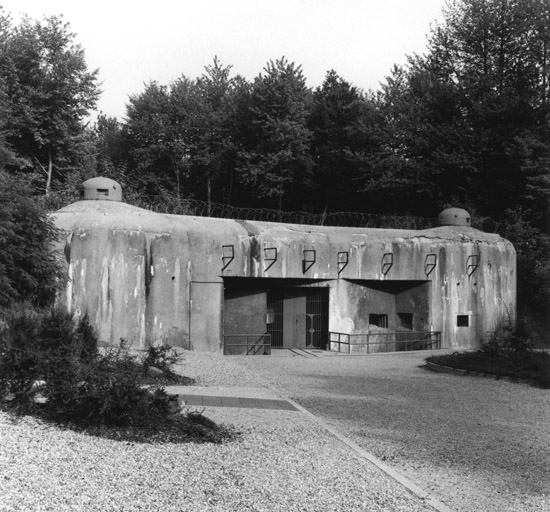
(465, 124)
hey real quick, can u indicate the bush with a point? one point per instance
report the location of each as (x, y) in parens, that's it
(162, 357)
(508, 339)
(29, 270)
(20, 358)
(105, 391)
(50, 354)
(79, 384)
(510, 351)
(532, 244)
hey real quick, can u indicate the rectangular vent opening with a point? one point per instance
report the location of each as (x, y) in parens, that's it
(405, 320)
(462, 321)
(378, 320)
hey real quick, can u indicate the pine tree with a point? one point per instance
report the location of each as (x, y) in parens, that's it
(276, 162)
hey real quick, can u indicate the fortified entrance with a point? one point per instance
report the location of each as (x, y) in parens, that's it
(282, 314)
(298, 317)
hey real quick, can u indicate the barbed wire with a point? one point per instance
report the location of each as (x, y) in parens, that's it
(199, 208)
(348, 219)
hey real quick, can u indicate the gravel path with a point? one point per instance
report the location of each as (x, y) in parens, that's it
(475, 444)
(282, 462)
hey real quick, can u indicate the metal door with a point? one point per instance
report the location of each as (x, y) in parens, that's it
(300, 326)
(298, 317)
(205, 313)
(317, 318)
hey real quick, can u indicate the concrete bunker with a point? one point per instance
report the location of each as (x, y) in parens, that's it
(221, 285)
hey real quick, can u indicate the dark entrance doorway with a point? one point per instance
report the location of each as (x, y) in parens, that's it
(298, 317)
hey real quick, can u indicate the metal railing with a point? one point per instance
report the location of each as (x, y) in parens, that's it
(398, 341)
(247, 344)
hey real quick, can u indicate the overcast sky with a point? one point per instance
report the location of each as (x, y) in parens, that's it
(134, 42)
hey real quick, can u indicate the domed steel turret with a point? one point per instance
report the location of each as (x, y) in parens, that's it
(454, 217)
(104, 189)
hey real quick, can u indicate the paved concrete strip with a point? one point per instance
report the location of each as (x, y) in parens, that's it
(245, 403)
(412, 487)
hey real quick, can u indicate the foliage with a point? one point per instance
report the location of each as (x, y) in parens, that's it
(529, 365)
(198, 418)
(181, 137)
(47, 93)
(163, 358)
(511, 350)
(19, 357)
(53, 356)
(508, 340)
(465, 124)
(345, 134)
(532, 245)
(29, 269)
(275, 156)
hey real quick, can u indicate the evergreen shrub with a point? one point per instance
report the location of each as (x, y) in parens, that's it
(51, 355)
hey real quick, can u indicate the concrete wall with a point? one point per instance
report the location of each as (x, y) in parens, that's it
(152, 278)
(245, 312)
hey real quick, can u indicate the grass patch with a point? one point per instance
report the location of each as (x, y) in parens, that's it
(529, 366)
(509, 352)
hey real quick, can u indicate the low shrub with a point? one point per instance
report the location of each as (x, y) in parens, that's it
(20, 358)
(163, 358)
(509, 352)
(509, 339)
(106, 390)
(79, 384)
(199, 418)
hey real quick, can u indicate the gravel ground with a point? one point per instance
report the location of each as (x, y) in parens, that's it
(475, 444)
(282, 462)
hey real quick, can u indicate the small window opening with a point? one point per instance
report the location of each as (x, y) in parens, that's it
(102, 192)
(378, 320)
(405, 320)
(462, 321)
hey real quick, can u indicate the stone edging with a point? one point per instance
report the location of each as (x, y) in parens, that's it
(382, 466)
(458, 371)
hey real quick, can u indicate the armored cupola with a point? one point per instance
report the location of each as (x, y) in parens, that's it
(454, 217)
(104, 189)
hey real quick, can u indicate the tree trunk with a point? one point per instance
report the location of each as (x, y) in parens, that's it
(49, 172)
(209, 191)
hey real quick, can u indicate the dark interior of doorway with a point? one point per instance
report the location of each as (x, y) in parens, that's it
(294, 312)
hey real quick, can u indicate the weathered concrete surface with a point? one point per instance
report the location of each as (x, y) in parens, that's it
(153, 278)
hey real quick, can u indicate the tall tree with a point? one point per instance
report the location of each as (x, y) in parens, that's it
(49, 91)
(213, 151)
(345, 143)
(29, 270)
(469, 124)
(149, 130)
(429, 158)
(6, 152)
(276, 160)
(182, 136)
(467, 108)
(495, 52)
